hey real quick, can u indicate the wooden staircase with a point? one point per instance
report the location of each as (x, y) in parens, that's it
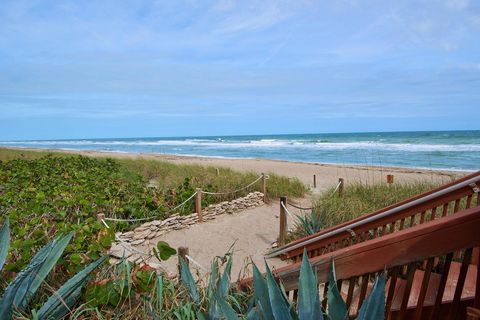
(428, 245)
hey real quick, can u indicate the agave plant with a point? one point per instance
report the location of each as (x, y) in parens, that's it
(22, 289)
(310, 223)
(270, 301)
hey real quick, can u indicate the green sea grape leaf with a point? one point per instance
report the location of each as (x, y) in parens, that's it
(165, 251)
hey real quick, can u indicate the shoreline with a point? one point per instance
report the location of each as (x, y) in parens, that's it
(198, 157)
(327, 174)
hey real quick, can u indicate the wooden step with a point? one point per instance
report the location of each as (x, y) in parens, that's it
(468, 292)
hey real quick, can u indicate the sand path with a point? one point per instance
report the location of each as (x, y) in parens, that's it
(251, 232)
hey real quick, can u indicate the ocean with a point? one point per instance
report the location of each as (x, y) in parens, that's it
(457, 150)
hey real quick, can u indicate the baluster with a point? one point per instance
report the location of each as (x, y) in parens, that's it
(363, 290)
(460, 283)
(406, 293)
(391, 291)
(445, 209)
(441, 287)
(434, 212)
(456, 207)
(422, 217)
(424, 288)
(384, 229)
(351, 288)
(469, 201)
(412, 220)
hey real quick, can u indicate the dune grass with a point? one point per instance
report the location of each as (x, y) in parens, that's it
(358, 199)
(168, 176)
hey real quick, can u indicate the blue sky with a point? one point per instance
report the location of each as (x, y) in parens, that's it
(85, 69)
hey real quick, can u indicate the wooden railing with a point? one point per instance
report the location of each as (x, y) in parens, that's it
(429, 269)
(437, 203)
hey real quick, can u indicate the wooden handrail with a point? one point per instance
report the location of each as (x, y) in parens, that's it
(418, 243)
(411, 206)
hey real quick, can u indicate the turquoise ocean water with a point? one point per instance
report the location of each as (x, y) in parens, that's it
(459, 150)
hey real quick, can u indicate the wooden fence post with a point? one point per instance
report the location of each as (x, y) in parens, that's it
(263, 187)
(283, 222)
(340, 187)
(198, 204)
(389, 178)
(314, 181)
(218, 171)
(182, 253)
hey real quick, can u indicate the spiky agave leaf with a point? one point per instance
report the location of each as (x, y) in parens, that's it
(188, 281)
(212, 281)
(254, 313)
(308, 302)
(337, 309)
(226, 310)
(213, 309)
(224, 283)
(159, 293)
(374, 306)
(59, 303)
(4, 242)
(280, 307)
(52, 254)
(24, 286)
(20, 284)
(260, 289)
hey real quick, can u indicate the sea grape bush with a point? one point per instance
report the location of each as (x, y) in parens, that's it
(60, 194)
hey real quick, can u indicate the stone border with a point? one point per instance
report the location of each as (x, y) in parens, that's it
(155, 229)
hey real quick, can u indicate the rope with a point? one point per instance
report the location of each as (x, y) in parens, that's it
(234, 191)
(152, 217)
(336, 188)
(298, 207)
(288, 212)
(311, 208)
(106, 225)
(196, 263)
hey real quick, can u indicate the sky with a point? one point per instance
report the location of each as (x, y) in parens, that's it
(92, 69)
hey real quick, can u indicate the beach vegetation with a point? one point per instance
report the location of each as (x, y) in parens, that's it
(331, 209)
(19, 294)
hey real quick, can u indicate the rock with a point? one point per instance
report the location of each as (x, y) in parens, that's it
(152, 235)
(119, 251)
(141, 235)
(137, 242)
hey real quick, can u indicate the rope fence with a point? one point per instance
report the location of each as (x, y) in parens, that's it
(298, 207)
(287, 211)
(284, 211)
(237, 190)
(153, 217)
(198, 202)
